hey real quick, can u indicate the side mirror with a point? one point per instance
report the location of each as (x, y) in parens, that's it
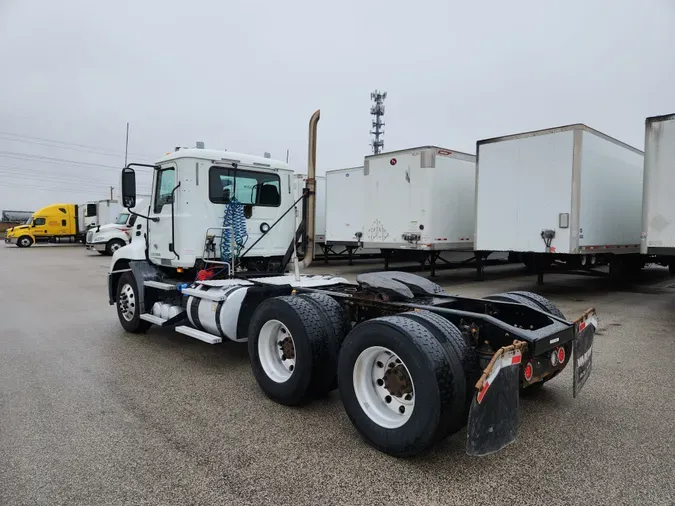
(32, 225)
(226, 196)
(128, 187)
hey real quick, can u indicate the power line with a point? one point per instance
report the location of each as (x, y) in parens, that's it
(51, 189)
(67, 145)
(47, 159)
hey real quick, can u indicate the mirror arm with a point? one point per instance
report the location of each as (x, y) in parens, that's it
(152, 166)
(155, 219)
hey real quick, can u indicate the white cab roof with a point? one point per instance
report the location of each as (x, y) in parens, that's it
(219, 155)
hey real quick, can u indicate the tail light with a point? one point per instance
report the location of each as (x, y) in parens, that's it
(529, 370)
(561, 355)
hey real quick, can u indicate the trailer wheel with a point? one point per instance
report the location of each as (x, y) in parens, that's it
(288, 347)
(457, 349)
(397, 385)
(113, 245)
(128, 310)
(542, 302)
(24, 241)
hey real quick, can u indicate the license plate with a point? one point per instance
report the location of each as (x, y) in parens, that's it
(583, 350)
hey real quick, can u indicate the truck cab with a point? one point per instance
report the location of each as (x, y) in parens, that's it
(107, 239)
(54, 223)
(192, 191)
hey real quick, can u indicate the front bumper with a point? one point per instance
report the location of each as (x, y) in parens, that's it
(97, 246)
(10, 240)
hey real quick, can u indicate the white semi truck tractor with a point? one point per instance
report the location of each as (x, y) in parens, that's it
(107, 239)
(413, 364)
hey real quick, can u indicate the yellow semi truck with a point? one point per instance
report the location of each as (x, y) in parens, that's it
(54, 223)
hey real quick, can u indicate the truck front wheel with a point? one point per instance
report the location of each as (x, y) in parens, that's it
(128, 306)
(113, 245)
(24, 241)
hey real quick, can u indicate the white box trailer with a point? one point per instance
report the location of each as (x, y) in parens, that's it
(344, 206)
(569, 190)
(658, 208)
(419, 199)
(345, 199)
(298, 185)
(100, 212)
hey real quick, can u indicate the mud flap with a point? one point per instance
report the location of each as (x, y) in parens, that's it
(583, 349)
(494, 413)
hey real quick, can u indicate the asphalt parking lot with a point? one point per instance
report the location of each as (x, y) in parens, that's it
(92, 415)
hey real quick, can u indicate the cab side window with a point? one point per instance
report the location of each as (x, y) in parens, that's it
(132, 220)
(166, 182)
(38, 222)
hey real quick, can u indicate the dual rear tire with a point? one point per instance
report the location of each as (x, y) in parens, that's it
(405, 381)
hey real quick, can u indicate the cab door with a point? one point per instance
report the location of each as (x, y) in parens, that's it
(161, 240)
(39, 226)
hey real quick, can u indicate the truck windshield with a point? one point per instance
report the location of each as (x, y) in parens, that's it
(122, 219)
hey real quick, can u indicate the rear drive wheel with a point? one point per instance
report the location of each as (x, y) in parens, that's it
(549, 307)
(397, 385)
(513, 298)
(462, 359)
(337, 327)
(24, 241)
(287, 344)
(113, 245)
(542, 302)
(128, 305)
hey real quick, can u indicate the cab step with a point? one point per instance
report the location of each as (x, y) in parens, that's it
(159, 285)
(155, 320)
(198, 334)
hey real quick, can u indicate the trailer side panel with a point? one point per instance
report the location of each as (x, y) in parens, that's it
(610, 212)
(523, 185)
(659, 180)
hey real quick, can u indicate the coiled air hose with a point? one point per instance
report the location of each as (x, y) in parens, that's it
(234, 221)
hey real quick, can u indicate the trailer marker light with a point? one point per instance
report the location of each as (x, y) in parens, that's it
(528, 372)
(392, 161)
(561, 355)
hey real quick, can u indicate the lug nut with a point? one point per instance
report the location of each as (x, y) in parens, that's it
(380, 382)
(380, 364)
(401, 409)
(387, 399)
(408, 397)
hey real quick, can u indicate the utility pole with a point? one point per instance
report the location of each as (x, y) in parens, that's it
(287, 153)
(377, 111)
(111, 191)
(126, 146)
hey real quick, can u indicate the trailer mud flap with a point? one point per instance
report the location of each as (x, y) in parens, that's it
(583, 349)
(494, 413)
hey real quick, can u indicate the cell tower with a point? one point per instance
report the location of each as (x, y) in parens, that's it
(377, 111)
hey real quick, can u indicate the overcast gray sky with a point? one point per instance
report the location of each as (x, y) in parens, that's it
(246, 75)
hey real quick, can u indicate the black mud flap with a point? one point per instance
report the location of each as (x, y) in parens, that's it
(494, 414)
(583, 349)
